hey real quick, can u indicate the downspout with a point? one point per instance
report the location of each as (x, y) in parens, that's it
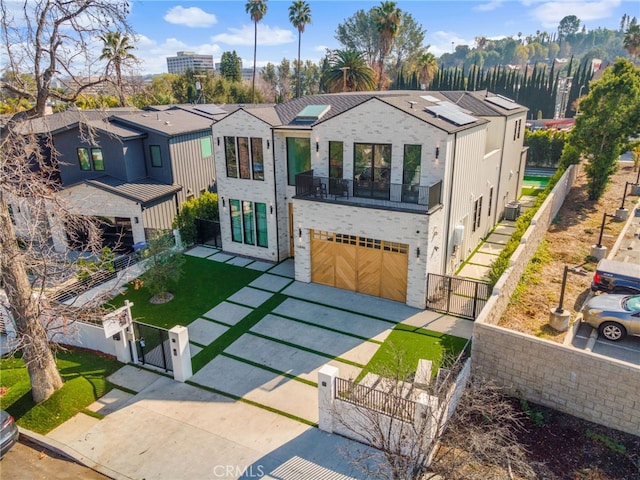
(275, 195)
(447, 234)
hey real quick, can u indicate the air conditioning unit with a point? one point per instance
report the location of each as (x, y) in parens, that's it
(512, 211)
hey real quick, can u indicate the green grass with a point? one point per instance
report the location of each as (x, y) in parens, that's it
(532, 191)
(83, 374)
(202, 285)
(406, 344)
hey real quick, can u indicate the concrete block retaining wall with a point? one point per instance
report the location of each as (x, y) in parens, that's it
(590, 386)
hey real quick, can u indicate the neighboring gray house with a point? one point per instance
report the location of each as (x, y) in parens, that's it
(370, 191)
(131, 169)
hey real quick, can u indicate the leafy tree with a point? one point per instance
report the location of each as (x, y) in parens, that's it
(270, 78)
(299, 16)
(387, 19)
(231, 66)
(205, 207)
(348, 72)
(158, 92)
(631, 40)
(256, 9)
(408, 44)
(568, 26)
(49, 38)
(609, 117)
(359, 33)
(545, 147)
(164, 267)
(117, 51)
(284, 80)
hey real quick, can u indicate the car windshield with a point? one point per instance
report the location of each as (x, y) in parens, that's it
(632, 304)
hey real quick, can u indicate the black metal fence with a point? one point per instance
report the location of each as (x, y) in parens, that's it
(152, 345)
(457, 296)
(76, 288)
(376, 400)
(208, 232)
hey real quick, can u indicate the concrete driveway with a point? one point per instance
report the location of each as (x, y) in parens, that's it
(251, 411)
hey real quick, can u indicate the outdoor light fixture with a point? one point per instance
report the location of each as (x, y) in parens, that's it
(223, 203)
(271, 209)
(299, 232)
(317, 147)
(137, 220)
(267, 144)
(437, 152)
(417, 252)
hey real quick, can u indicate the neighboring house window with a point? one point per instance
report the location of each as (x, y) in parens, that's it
(83, 158)
(336, 159)
(298, 157)
(156, 155)
(519, 127)
(243, 161)
(411, 164)
(490, 201)
(205, 147)
(477, 213)
(230, 156)
(257, 157)
(249, 222)
(98, 161)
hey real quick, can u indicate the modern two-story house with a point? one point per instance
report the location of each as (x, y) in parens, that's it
(131, 169)
(368, 191)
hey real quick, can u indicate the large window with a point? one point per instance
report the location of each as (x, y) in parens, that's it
(336, 160)
(477, 212)
(244, 157)
(90, 159)
(96, 157)
(298, 157)
(411, 164)
(205, 147)
(249, 223)
(371, 170)
(156, 155)
(83, 159)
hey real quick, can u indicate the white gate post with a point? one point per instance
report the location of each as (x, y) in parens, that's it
(180, 353)
(326, 393)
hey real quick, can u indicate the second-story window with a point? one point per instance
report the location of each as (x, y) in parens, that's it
(156, 155)
(298, 157)
(96, 157)
(411, 164)
(244, 157)
(336, 159)
(90, 159)
(83, 158)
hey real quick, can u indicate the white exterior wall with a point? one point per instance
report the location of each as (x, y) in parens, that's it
(243, 124)
(87, 200)
(416, 230)
(513, 162)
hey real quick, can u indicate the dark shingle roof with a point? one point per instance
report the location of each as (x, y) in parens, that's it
(339, 102)
(57, 122)
(168, 122)
(144, 190)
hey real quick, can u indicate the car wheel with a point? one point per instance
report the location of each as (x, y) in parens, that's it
(612, 331)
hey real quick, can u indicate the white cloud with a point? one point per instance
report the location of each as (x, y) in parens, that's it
(267, 36)
(441, 42)
(489, 6)
(550, 13)
(190, 17)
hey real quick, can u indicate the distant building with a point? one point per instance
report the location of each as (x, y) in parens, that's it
(189, 61)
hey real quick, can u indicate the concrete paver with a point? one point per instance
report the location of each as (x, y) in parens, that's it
(228, 313)
(260, 266)
(491, 248)
(272, 283)
(498, 238)
(109, 403)
(477, 272)
(220, 257)
(481, 258)
(240, 261)
(133, 378)
(194, 349)
(439, 322)
(204, 332)
(285, 269)
(251, 297)
(201, 251)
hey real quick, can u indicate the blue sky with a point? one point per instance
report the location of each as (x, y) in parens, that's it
(213, 27)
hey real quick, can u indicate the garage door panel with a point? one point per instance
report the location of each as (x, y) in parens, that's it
(369, 271)
(322, 262)
(345, 259)
(393, 269)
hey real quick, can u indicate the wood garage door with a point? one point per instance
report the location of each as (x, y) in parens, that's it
(365, 265)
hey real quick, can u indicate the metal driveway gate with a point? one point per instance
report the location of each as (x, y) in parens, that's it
(152, 345)
(457, 296)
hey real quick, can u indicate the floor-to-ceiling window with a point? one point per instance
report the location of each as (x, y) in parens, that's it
(372, 168)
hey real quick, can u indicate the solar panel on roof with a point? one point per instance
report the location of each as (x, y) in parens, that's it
(430, 98)
(503, 102)
(454, 107)
(210, 109)
(451, 114)
(312, 112)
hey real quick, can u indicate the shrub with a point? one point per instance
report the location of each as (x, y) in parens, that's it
(205, 207)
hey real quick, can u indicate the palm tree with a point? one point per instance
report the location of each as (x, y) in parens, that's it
(387, 18)
(117, 51)
(256, 9)
(299, 16)
(426, 66)
(348, 71)
(631, 40)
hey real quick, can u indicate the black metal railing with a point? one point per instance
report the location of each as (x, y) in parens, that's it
(309, 185)
(152, 345)
(376, 400)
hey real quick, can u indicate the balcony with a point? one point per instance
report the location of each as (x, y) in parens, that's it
(367, 193)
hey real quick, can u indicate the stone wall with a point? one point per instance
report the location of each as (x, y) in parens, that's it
(590, 386)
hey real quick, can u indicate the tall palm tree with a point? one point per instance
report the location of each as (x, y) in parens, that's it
(387, 18)
(631, 41)
(426, 66)
(348, 71)
(299, 16)
(117, 52)
(256, 9)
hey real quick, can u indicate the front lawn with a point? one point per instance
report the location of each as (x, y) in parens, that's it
(202, 285)
(406, 344)
(84, 376)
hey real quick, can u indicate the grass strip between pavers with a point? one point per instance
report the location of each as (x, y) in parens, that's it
(270, 369)
(305, 349)
(330, 329)
(225, 340)
(252, 403)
